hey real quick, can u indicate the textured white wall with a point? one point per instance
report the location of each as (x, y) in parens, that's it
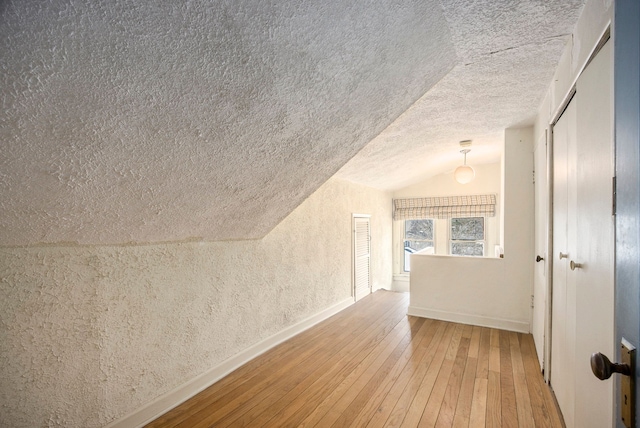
(89, 334)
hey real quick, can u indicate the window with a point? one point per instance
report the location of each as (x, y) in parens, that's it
(467, 236)
(418, 235)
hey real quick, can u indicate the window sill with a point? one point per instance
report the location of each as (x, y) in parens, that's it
(456, 256)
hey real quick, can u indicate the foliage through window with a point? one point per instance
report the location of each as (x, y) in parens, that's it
(418, 235)
(467, 236)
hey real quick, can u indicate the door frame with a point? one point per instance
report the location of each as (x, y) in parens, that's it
(541, 206)
(546, 365)
(546, 368)
(563, 384)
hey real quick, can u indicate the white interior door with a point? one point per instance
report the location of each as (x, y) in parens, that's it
(595, 239)
(563, 307)
(541, 232)
(361, 256)
(583, 242)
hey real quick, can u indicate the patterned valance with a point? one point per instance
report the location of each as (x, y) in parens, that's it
(444, 207)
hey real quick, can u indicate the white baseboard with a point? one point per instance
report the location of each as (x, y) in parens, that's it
(502, 324)
(400, 283)
(173, 398)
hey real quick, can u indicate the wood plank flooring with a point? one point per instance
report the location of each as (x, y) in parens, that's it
(371, 365)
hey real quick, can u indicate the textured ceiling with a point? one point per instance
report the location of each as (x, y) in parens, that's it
(507, 53)
(128, 121)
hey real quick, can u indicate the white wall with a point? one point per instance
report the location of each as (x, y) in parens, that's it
(486, 291)
(487, 180)
(90, 334)
(519, 208)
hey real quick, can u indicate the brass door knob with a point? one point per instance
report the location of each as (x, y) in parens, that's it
(573, 265)
(563, 255)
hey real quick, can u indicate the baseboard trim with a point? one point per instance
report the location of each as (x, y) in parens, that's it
(173, 398)
(518, 326)
(400, 283)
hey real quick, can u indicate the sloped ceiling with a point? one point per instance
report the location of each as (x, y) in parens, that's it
(507, 53)
(133, 122)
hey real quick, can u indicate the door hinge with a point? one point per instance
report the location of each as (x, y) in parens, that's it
(532, 300)
(614, 191)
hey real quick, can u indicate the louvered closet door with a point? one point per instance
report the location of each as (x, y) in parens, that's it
(361, 256)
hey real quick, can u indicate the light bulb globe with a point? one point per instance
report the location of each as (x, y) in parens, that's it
(464, 174)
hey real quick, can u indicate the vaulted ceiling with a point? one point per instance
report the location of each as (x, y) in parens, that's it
(139, 122)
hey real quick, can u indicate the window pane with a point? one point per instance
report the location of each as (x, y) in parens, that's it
(467, 229)
(467, 248)
(415, 246)
(411, 247)
(418, 235)
(418, 229)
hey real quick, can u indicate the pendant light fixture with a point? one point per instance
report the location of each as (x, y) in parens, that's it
(464, 173)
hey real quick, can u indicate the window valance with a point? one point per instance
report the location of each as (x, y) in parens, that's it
(444, 207)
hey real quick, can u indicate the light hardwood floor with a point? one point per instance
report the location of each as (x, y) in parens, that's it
(372, 365)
